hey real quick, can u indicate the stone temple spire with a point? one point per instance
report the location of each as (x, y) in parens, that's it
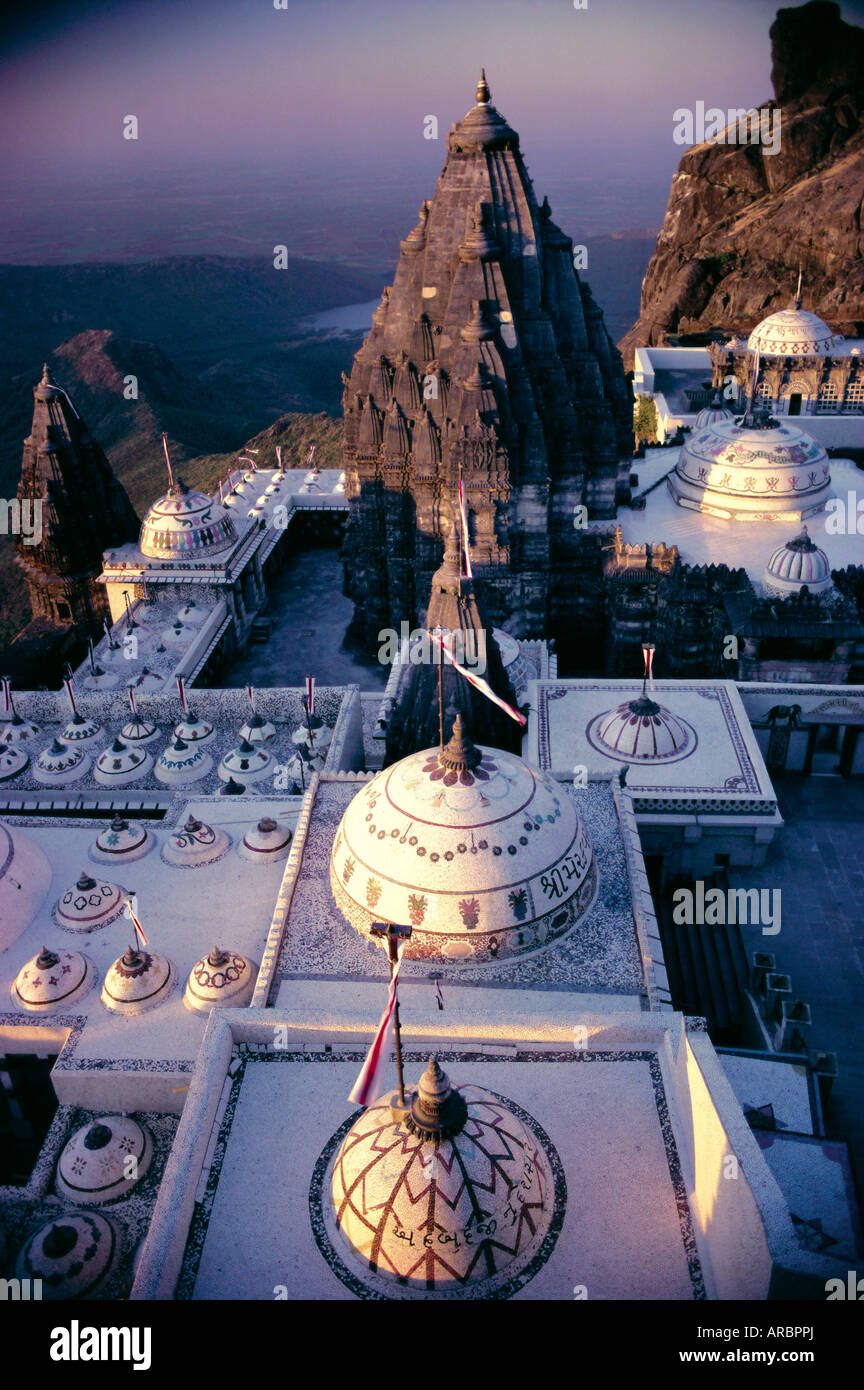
(502, 371)
(84, 510)
(414, 722)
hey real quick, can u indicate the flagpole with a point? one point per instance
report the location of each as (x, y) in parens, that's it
(392, 949)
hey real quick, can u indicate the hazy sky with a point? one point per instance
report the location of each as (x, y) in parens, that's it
(351, 80)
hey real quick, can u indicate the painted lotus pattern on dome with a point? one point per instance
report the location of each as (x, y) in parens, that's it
(482, 871)
(460, 1212)
(458, 790)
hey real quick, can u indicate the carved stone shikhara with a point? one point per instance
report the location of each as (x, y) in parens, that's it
(487, 359)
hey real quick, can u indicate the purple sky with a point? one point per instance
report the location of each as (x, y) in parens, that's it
(255, 120)
(345, 81)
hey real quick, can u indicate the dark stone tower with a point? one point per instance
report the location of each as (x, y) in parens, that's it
(415, 721)
(85, 510)
(487, 357)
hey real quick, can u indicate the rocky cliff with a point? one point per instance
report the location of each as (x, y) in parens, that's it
(740, 220)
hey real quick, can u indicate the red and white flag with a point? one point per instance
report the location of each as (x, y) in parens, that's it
(251, 693)
(469, 573)
(181, 690)
(310, 455)
(221, 492)
(139, 930)
(7, 694)
(648, 654)
(479, 684)
(132, 705)
(369, 1084)
(279, 456)
(310, 695)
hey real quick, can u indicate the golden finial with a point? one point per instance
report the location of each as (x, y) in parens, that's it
(483, 95)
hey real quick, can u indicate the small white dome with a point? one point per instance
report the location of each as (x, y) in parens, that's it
(798, 562)
(93, 1166)
(137, 982)
(59, 765)
(192, 729)
(195, 844)
(181, 763)
(246, 763)
(121, 842)
(641, 731)
(88, 904)
(222, 979)
(53, 980)
(74, 1255)
(120, 765)
(265, 842)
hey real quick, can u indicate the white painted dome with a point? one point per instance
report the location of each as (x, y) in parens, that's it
(641, 731)
(222, 979)
(59, 764)
(93, 1166)
(793, 332)
(192, 729)
(194, 844)
(456, 1198)
(13, 761)
(183, 524)
(137, 982)
(710, 414)
(88, 904)
(121, 842)
(258, 730)
(484, 855)
(122, 764)
(181, 763)
(265, 842)
(735, 471)
(798, 562)
(53, 980)
(246, 763)
(80, 730)
(74, 1255)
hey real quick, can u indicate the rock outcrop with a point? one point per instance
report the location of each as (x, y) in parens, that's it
(740, 220)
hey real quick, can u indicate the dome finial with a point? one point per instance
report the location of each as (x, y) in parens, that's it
(437, 1111)
(461, 754)
(797, 304)
(483, 95)
(46, 375)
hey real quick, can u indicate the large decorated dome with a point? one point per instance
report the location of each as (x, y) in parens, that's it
(793, 333)
(483, 855)
(462, 1195)
(184, 523)
(798, 562)
(756, 470)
